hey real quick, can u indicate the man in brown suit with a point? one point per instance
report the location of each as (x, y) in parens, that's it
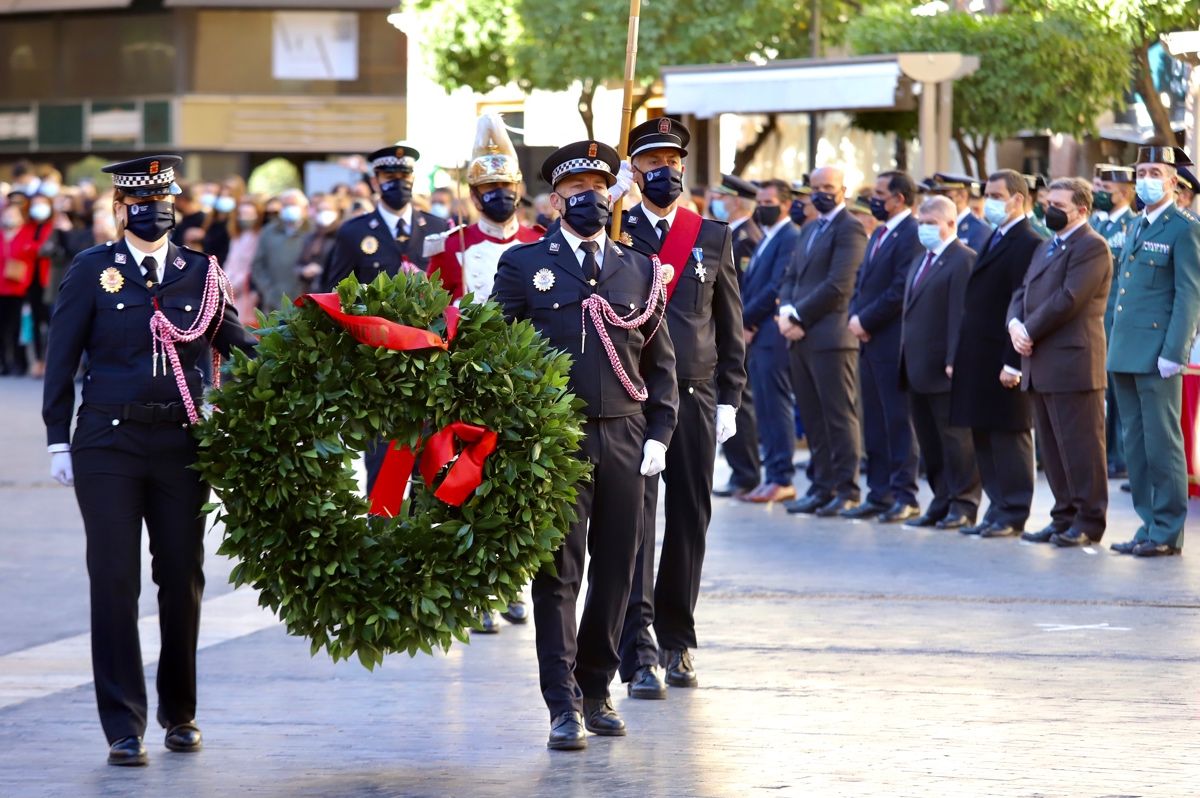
(1057, 324)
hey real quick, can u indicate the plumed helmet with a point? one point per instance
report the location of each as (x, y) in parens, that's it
(494, 159)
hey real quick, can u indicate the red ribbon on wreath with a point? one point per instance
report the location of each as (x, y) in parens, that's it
(387, 495)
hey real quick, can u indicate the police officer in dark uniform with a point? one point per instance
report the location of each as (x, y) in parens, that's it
(393, 234)
(388, 239)
(631, 400)
(131, 455)
(972, 231)
(704, 314)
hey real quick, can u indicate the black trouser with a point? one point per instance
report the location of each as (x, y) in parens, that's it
(887, 430)
(670, 603)
(40, 317)
(12, 354)
(949, 457)
(741, 451)
(127, 474)
(1070, 426)
(825, 383)
(574, 664)
(1005, 459)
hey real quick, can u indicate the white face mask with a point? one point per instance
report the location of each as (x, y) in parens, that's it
(40, 212)
(327, 217)
(995, 211)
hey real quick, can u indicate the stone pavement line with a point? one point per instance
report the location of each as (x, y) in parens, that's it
(43, 670)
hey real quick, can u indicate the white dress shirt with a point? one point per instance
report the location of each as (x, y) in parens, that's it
(574, 241)
(390, 219)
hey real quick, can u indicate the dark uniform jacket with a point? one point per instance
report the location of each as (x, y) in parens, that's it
(745, 240)
(933, 313)
(984, 345)
(113, 329)
(974, 232)
(365, 247)
(1061, 302)
(705, 312)
(819, 281)
(879, 293)
(625, 277)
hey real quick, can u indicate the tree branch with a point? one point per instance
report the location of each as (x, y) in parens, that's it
(1144, 82)
(745, 155)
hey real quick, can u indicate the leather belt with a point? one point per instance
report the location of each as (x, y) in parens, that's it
(145, 412)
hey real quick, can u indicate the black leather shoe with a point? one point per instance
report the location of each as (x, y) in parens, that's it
(1044, 534)
(599, 717)
(1125, 486)
(184, 738)
(806, 505)
(1117, 473)
(566, 733)
(680, 671)
(864, 511)
(954, 521)
(998, 529)
(516, 613)
(924, 520)
(1127, 547)
(730, 489)
(646, 684)
(1148, 548)
(834, 506)
(487, 625)
(128, 752)
(897, 513)
(1071, 537)
(974, 529)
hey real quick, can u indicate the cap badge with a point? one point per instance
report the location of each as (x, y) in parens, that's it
(369, 245)
(111, 280)
(543, 280)
(154, 167)
(399, 152)
(664, 125)
(592, 150)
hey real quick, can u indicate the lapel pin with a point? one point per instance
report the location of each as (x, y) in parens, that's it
(373, 224)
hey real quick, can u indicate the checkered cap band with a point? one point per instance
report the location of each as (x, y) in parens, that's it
(579, 163)
(164, 178)
(392, 162)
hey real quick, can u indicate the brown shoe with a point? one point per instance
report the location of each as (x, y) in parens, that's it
(772, 493)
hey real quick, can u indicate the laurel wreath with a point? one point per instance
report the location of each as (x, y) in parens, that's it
(279, 451)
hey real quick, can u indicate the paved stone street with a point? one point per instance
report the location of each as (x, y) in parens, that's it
(837, 659)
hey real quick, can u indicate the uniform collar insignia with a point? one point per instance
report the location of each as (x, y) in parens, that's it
(179, 262)
(632, 220)
(554, 246)
(373, 224)
(420, 221)
(617, 250)
(120, 258)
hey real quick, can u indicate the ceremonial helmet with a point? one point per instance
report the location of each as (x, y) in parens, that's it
(494, 159)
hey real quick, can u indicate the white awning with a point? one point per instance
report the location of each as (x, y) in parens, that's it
(853, 84)
(33, 6)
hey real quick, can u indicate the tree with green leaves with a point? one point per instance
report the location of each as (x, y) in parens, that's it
(1039, 69)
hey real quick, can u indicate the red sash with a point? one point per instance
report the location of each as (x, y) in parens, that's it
(681, 239)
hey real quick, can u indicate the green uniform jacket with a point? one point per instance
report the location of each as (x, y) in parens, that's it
(1158, 294)
(1113, 232)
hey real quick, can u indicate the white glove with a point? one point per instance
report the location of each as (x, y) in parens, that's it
(60, 468)
(726, 422)
(654, 458)
(1167, 368)
(624, 181)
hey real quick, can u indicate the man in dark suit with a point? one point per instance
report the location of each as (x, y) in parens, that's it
(736, 203)
(959, 189)
(1057, 324)
(823, 354)
(767, 350)
(984, 394)
(704, 315)
(392, 237)
(933, 310)
(875, 321)
(630, 405)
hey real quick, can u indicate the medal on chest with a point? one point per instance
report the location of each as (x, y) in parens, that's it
(111, 280)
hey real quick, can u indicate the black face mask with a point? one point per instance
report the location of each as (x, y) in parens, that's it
(662, 186)
(499, 205)
(878, 208)
(150, 221)
(1055, 218)
(1103, 201)
(396, 193)
(796, 212)
(586, 213)
(767, 215)
(823, 201)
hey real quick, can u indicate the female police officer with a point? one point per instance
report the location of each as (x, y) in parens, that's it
(146, 313)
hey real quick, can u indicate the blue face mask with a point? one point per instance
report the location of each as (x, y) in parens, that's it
(994, 211)
(440, 209)
(225, 204)
(930, 235)
(1150, 189)
(291, 214)
(718, 210)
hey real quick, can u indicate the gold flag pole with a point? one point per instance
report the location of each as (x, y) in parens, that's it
(635, 11)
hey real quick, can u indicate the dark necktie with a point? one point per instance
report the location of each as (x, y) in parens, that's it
(401, 231)
(822, 223)
(663, 229)
(921, 272)
(151, 267)
(883, 231)
(996, 236)
(591, 269)
(1055, 245)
